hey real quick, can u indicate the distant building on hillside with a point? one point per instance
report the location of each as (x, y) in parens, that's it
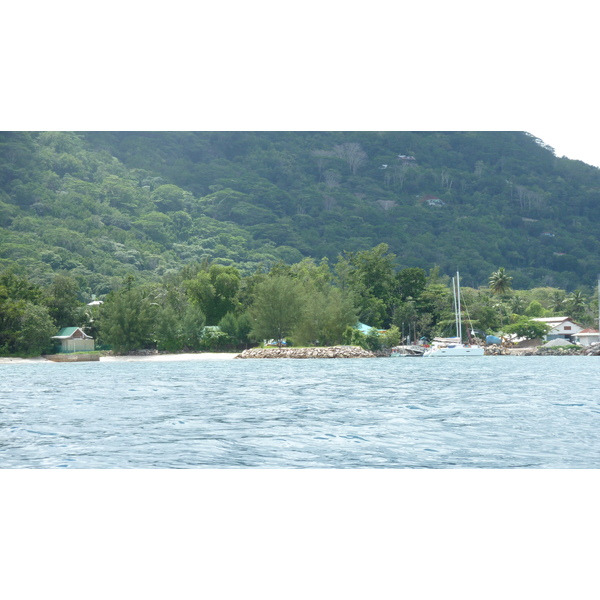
(407, 160)
(431, 200)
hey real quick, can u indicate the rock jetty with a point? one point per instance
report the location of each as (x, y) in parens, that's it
(330, 352)
(543, 351)
(593, 350)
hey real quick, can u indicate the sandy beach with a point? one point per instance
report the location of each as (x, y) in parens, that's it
(149, 358)
(170, 357)
(9, 360)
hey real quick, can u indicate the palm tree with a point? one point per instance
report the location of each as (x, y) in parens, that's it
(557, 301)
(576, 302)
(500, 282)
(517, 304)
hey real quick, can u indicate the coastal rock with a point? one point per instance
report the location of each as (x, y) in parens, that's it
(539, 351)
(593, 350)
(330, 352)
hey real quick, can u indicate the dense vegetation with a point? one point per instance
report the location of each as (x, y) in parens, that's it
(100, 206)
(179, 232)
(207, 306)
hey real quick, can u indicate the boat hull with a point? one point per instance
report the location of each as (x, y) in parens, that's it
(441, 352)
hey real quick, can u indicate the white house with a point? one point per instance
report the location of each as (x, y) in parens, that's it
(587, 337)
(562, 327)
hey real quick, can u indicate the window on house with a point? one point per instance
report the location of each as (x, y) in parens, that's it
(567, 328)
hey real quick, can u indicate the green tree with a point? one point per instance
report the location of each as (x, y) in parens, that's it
(486, 318)
(35, 331)
(213, 339)
(500, 282)
(436, 302)
(308, 271)
(127, 320)
(193, 323)
(391, 337)
(276, 308)
(557, 301)
(237, 327)
(19, 302)
(576, 303)
(370, 275)
(517, 304)
(63, 303)
(406, 316)
(170, 198)
(373, 340)
(215, 291)
(324, 316)
(18, 287)
(354, 337)
(411, 283)
(168, 330)
(528, 328)
(535, 309)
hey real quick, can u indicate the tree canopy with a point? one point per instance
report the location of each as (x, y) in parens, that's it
(363, 225)
(100, 205)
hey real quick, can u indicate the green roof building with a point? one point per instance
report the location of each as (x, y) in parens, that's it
(74, 339)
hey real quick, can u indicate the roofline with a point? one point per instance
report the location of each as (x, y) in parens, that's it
(547, 319)
(66, 337)
(556, 320)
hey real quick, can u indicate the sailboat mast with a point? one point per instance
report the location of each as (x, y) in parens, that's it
(454, 302)
(458, 313)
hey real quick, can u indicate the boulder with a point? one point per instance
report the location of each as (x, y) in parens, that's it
(330, 352)
(546, 350)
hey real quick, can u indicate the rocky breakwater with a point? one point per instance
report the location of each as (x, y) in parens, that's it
(540, 351)
(330, 352)
(593, 350)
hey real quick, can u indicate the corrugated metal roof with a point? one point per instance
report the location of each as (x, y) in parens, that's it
(551, 319)
(67, 332)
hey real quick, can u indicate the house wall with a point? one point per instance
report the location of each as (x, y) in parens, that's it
(77, 345)
(587, 340)
(564, 331)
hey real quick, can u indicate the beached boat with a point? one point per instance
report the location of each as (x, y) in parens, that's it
(448, 347)
(404, 351)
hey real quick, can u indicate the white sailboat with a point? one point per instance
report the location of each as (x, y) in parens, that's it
(447, 347)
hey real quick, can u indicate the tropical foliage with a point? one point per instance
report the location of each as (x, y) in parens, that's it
(99, 206)
(205, 239)
(303, 304)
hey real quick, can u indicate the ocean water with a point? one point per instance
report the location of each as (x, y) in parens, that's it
(490, 412)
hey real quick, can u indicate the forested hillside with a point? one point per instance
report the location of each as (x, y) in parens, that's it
(100, 206)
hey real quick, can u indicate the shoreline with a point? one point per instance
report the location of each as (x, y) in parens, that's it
(170, 357)
(261, 353)
(9, 360)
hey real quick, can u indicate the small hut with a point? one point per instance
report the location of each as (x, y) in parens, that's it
(74, 339)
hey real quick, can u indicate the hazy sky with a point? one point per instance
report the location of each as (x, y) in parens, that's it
(455, 66)
(572, 144)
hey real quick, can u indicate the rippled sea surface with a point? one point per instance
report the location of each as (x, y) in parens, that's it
(490, 412)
